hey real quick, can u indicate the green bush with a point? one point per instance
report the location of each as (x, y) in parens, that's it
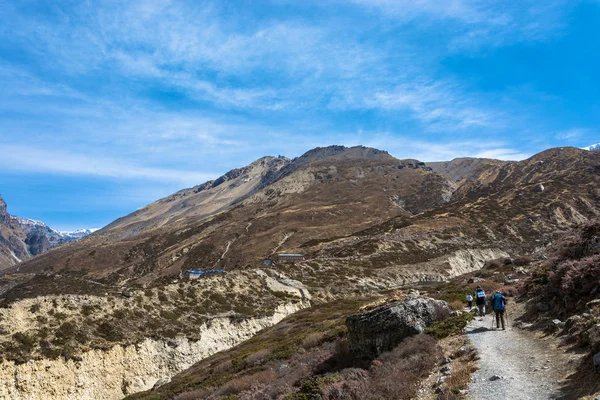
(169, 315)
(449, 326)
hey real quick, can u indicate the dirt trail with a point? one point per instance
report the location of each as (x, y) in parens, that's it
(529, 367)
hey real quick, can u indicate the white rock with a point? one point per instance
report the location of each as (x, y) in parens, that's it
(108, 375)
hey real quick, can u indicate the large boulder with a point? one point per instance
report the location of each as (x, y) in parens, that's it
(383, 328)
(594, 337)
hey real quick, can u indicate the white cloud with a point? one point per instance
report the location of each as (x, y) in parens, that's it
(573, 133)
(480, 22)
(503, 154)
(438, 105)
(22, 158)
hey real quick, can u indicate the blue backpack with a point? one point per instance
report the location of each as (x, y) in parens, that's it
(498, 302)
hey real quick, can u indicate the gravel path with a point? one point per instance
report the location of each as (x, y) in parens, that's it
(529, 368)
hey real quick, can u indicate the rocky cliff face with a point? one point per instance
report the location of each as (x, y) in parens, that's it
(3, 212)
(13, 248)
(113, 374)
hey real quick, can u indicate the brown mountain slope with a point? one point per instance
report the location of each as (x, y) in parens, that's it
(515, 209)
(464, 169)
(326, 192)
(201, 201)
(356, 215)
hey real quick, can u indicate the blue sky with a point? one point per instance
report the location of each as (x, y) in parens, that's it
(108, 105)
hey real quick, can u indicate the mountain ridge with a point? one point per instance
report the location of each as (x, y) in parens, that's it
(324, 196)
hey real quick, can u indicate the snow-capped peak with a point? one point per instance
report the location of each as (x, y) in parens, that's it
(78, 234)
(30, 225)
(592, 147)
(29, 222)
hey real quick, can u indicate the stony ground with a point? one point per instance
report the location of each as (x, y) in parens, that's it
(515, 364)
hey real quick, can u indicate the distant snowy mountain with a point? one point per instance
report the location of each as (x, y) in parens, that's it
(31, 225)
(592, 147)
(78, 234)
(40, 237)
(23, 238)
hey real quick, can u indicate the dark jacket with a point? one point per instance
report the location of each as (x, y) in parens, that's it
(479, 297)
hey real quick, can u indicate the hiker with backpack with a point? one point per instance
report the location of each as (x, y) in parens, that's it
(498, 302)
(480, 300)
(470, 301)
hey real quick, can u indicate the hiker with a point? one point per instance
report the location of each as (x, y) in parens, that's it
(470, 301)
(480, 300)
(498, 304)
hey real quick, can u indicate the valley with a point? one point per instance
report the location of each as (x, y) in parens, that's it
(117, 310)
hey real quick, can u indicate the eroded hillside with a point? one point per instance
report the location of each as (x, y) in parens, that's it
(365, 221)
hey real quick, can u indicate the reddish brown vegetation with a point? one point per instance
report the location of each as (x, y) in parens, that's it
(571, 277)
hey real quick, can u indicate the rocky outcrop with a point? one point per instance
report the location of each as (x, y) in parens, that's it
(122, 371)
(468, 260)
(3, 212)
(373, 332)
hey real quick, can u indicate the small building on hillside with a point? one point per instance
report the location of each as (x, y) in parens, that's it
(193, 274)
(285, 257)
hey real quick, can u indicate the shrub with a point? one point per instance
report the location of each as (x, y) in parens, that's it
(35, 308)
(258, 356)
(162, 297)
(314, 339)
(457, 305)
(224, 367)
(450, 326)
(109, 332)
(311, 388)
(24, 340)
(87, 310)
(170, 315)
(218, 298)
(569, 279)
(65, 332)
(397, 373)
(240, 384)
(521, 261)
(283, 352)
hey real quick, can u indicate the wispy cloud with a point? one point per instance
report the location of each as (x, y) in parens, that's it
(571, 134)
(481, 22)
(21, 158)
(438, 105)
(174, 91)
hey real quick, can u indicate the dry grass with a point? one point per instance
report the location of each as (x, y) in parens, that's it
(463, 365)
(314, 339)
(457, 305)
(258, 356)
(238, 385)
